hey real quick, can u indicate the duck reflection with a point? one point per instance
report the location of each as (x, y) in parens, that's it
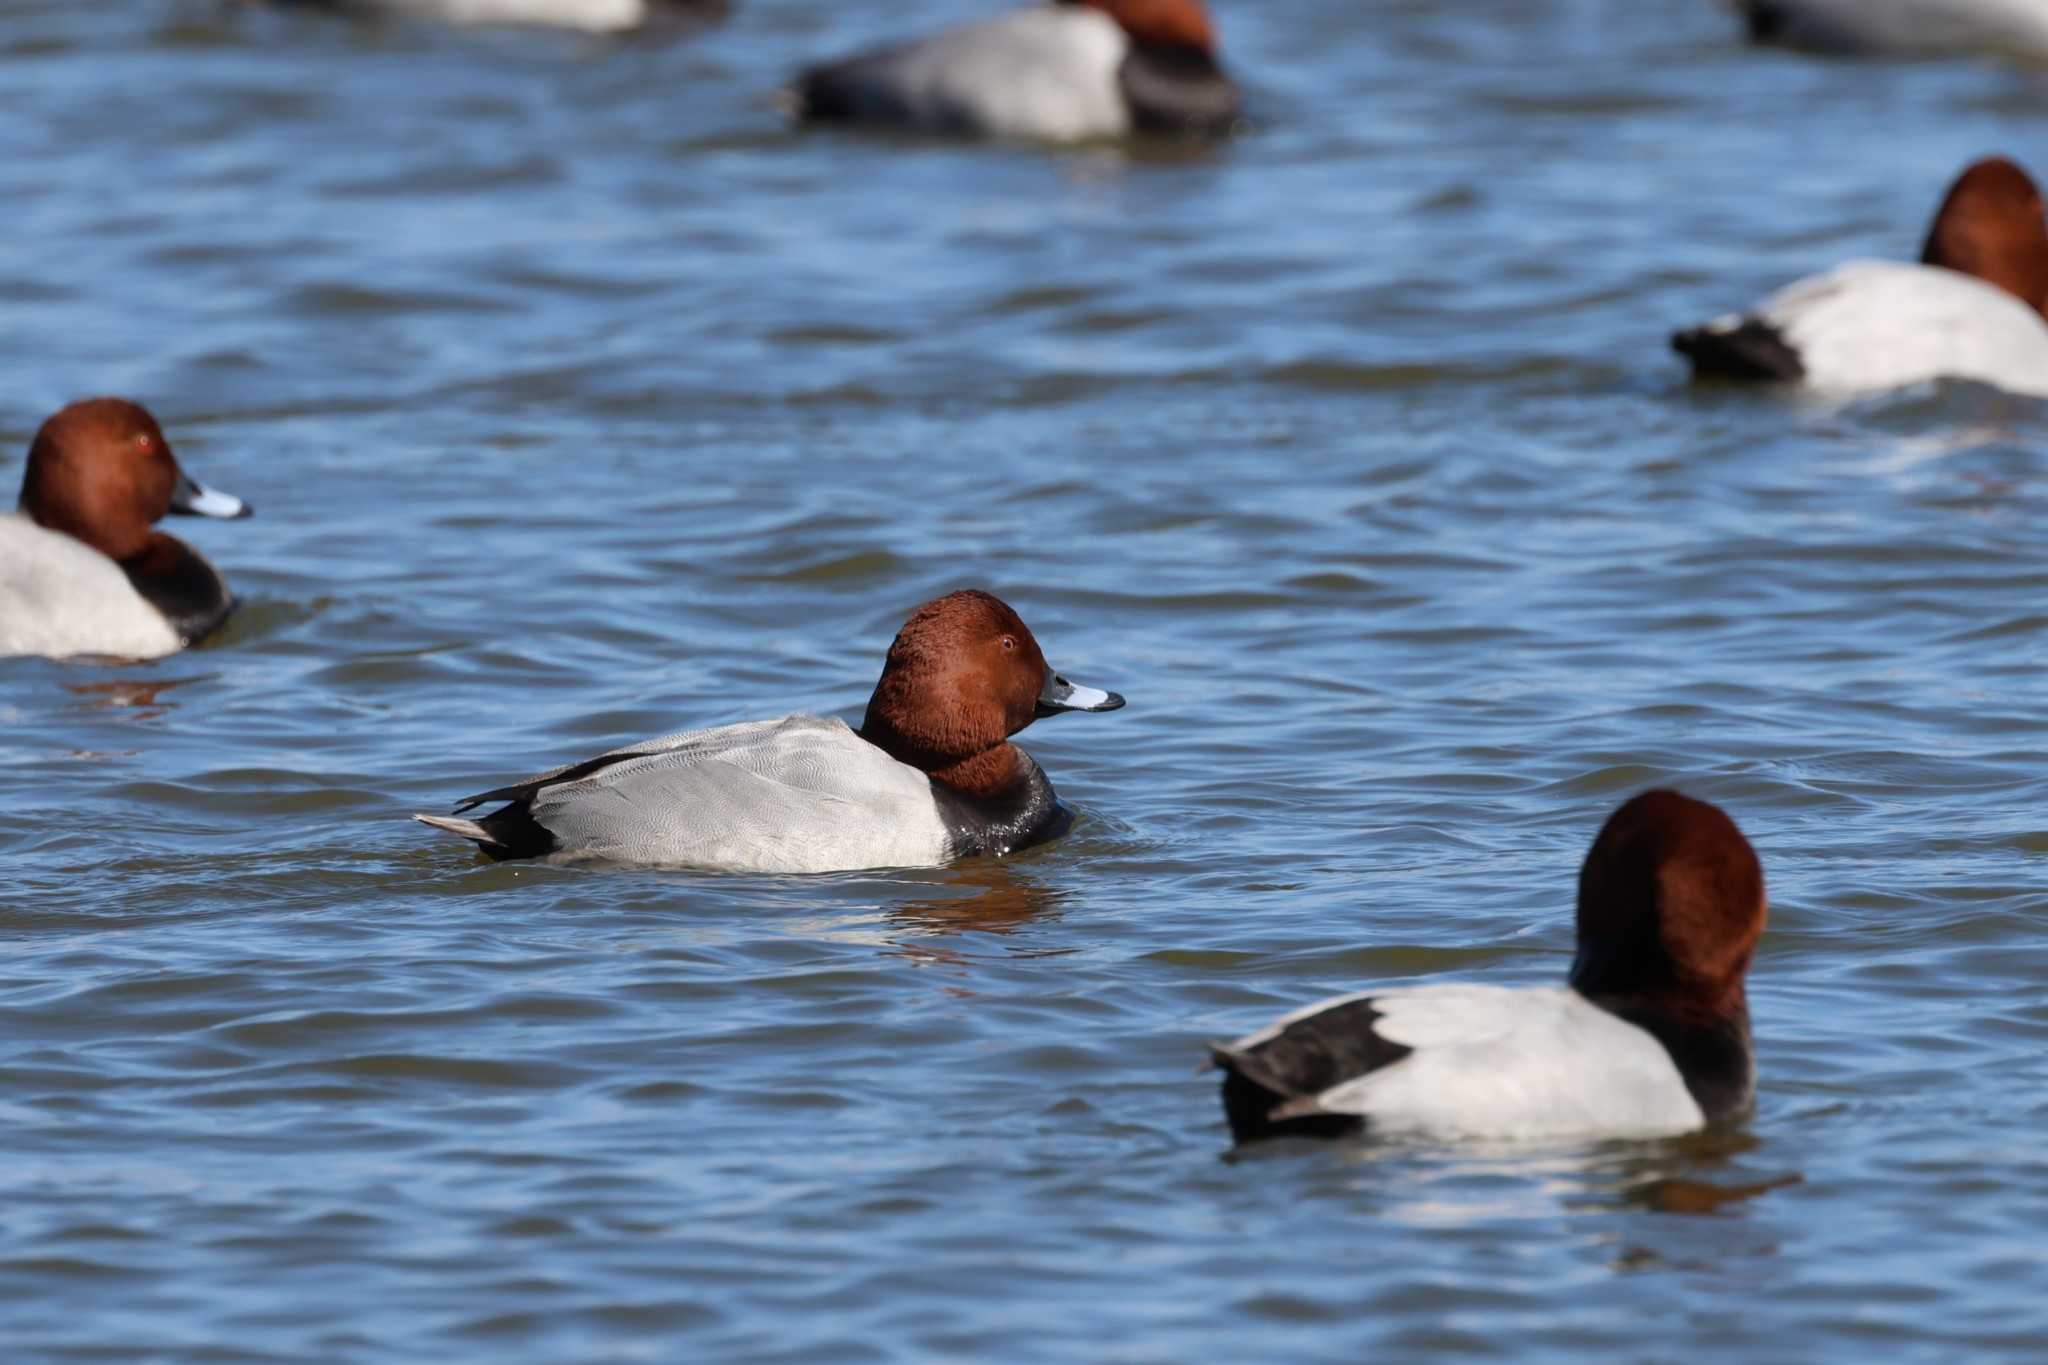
(913, 913)
(988, 896)
(1430, 1183)
(144, 696)
(1680, 1194)
(1689, 1191)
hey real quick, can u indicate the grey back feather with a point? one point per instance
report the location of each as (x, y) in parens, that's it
(798, 794)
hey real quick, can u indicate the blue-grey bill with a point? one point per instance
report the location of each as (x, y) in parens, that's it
(1061, 695)
(195, 499)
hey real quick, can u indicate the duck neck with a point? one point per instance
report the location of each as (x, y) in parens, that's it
(990, 775)
(997, 802)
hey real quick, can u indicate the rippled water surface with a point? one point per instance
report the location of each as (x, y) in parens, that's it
(580, 401)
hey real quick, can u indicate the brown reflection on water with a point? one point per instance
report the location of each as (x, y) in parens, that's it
(1682, 1194)
(1690, 1192)
(144, 696)
(988, 896)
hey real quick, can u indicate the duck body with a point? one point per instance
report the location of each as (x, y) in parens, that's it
(1907, 27)
(793, 795)
(1974, 307)
(930, 777)
(1463, 1060)
(1053, 73)
(1046, 74)
(60, 597)
(1870, 325)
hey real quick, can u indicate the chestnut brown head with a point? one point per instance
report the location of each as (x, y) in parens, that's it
(961, 677)
(1160, 23)
(101, 471)
(1991, 226)
(1671, 904)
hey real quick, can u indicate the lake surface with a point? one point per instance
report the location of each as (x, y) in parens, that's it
(580, 400)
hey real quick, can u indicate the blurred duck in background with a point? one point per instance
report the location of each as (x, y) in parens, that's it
(2017, 28)
(1971, 309)
(590, 16)
(81, 570)
(1070, 71)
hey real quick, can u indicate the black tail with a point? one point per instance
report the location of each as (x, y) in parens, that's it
(510, 832)
(1271, 1088)
(1751, 352)
(1251, 1095)
(1766, 20)
(851, 90)
(825, 95)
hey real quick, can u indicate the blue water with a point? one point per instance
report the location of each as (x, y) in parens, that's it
(580, 400)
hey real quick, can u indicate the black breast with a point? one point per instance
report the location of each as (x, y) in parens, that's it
(1027, 812)
(172, 577)
(1178, 91)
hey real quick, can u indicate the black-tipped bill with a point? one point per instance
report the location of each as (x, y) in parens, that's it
(195, 499)
(1060, 695)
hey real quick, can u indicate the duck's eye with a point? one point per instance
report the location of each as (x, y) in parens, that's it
(1009, 642)
(145, 443)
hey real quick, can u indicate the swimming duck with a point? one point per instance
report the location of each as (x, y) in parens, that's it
(81, 570)
(929, 777)
(1649, 1037)
(1908, 27)
(1069, 71)
(1972, 308)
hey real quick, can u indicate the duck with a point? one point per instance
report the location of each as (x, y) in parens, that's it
(82, 572)
(929, 778)
(1900, 27)
(1648, 1037)
(1972, 308)
(1067, 71)
(588, 16)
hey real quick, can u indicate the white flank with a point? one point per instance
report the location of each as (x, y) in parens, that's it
(1872, 325)
(1508, 1062)
(60, 597)
(798, 794)
(1048, 74)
